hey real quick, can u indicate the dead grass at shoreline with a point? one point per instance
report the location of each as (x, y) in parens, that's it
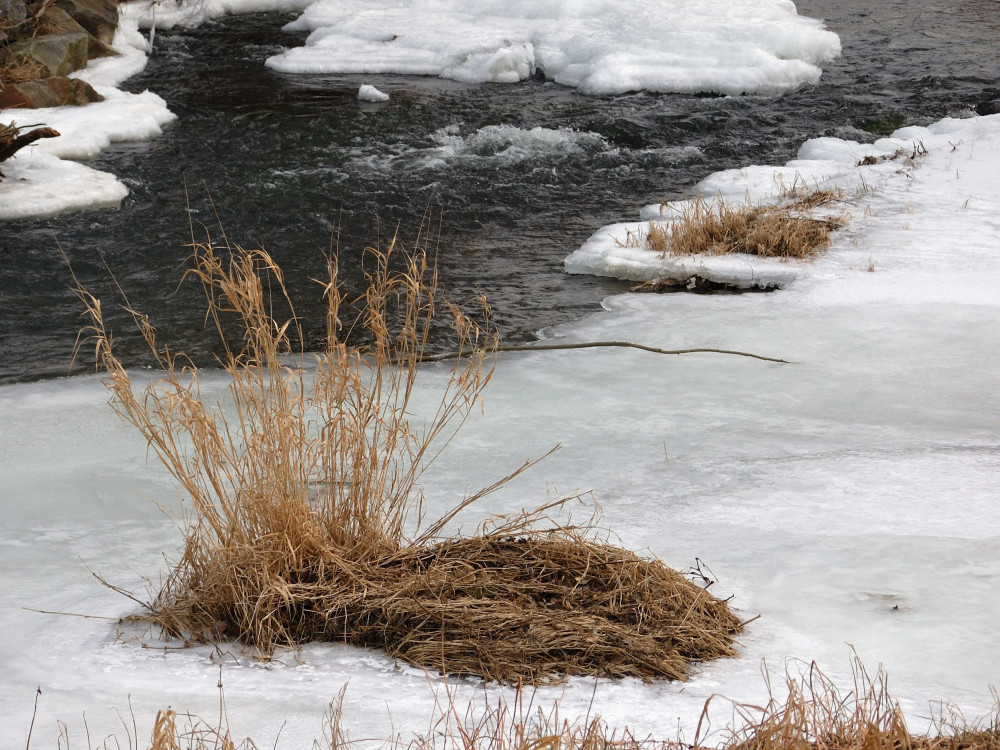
(301, 485)
(814, 714)
(817, 715)
(783, 230)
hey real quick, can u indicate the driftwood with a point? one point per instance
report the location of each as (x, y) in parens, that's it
(12, 140)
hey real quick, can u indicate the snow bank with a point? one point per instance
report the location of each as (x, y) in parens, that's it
(912, 161)
(47, 179)
(598, 46)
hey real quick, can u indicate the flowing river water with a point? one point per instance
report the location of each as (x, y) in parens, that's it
(297, 165)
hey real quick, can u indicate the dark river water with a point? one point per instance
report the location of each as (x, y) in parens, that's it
(288, 162)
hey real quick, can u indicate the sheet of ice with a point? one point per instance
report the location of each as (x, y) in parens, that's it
(847, 498)
(47, 178)
(597, 46)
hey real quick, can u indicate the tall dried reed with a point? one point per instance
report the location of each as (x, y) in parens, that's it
(310, 461)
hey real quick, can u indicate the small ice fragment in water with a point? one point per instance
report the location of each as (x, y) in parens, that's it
(368, 93)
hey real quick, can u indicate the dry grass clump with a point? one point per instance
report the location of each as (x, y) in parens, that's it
(303, 484)
(784, 230)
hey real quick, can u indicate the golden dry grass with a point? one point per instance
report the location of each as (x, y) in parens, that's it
(783, 230)
(304, 516)
(814, 715)
(817, 715)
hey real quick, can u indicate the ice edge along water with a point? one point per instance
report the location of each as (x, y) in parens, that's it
(598, 47)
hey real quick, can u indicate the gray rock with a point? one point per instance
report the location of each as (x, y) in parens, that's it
(57, 21)
(55, 54)
(99, 17)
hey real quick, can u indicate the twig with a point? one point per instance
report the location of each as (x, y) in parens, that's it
(34, 713)
(69, 614)
(595, 344)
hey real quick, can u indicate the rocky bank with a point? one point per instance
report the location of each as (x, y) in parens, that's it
(43, 41)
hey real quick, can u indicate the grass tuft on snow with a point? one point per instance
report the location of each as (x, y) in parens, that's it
(783, 230)
(303, 484)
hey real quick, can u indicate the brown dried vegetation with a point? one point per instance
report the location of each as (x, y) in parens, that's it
(783, 230)
(303, 486)
(815, 715)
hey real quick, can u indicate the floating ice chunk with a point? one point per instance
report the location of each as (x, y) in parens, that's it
(599, 46)
(368, 93)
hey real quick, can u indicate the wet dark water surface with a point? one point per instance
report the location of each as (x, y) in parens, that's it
(296, 164)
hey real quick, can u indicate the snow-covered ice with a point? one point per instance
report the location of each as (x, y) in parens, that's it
(846, 498)
(598, 46)
(858, 173)
(156, 14)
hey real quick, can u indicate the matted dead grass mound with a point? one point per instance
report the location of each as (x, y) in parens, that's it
(533, 607)
(302, 510)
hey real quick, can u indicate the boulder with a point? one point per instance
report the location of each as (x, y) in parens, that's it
(57, 21)
(99, 17)
(54, 54)
(47, 92)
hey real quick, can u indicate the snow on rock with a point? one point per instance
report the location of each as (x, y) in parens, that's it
(368, 93)
(597, 46)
